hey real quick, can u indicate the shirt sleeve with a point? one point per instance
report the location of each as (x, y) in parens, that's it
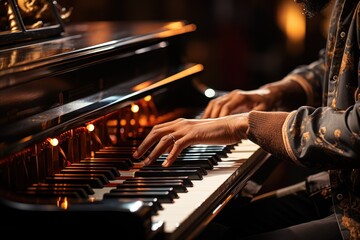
(310, 78)
(323, 137)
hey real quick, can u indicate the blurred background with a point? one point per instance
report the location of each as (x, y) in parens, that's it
(242, 44)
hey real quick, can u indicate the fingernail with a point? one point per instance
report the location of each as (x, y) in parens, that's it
(135, 154)
(165, 163)
(147, 161)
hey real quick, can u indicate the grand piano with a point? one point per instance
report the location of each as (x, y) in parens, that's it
(75, 101)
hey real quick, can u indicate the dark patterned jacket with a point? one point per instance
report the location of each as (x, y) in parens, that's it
(326, 132)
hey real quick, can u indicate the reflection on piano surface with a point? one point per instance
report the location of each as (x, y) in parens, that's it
(74, 108)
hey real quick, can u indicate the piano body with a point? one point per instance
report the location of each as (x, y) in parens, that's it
(74, 106)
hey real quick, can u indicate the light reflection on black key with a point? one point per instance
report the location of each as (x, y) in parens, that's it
(180, 179)
(193, 174)
(178, 186)
(170, 190)
(162, 196)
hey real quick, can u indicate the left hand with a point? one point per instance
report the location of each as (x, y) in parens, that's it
(174, 136)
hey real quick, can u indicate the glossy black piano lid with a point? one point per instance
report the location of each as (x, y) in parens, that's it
(49, 86)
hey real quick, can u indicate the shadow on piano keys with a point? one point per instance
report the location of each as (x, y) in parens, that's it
(76, 108)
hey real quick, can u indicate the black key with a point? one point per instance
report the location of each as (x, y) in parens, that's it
(101, 177)
(204, 163)
(224, 148)
(192, 158)
(92, 181)
(87, 188)
(113, 170)
(119, 148)
(52, 194)
(182, 179)
(47, 190)
(171, 190)
(153, 203)
(163, 197)
(108, 174)
(200, 170)
(177, 186)
(193, 174)
(119, 163)
(218, 152)
(213, 157)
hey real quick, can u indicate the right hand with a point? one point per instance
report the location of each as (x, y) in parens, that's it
(174, 136)
(238, 101)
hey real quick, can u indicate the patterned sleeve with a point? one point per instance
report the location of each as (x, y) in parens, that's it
(323, 137)
(310, 77)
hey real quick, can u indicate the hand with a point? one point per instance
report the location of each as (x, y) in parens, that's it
(238, 101)
(174, 136)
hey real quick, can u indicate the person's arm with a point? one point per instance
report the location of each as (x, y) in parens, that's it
(302, 86)
(314, 137)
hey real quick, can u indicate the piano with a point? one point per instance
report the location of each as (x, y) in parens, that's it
(75, 101)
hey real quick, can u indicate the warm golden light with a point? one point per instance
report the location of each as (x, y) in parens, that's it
(148, 85)
(62, 203)
(293, 23)
(132, 122)
(122, 122)
(90, 127)
(142, 85)
(175, 28)
(148, 98)
(135, 108)
(53, 141)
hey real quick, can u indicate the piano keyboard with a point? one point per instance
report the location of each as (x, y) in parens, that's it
(182, 198)
(186, 208)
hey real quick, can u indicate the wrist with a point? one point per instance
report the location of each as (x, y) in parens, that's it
(284, 90)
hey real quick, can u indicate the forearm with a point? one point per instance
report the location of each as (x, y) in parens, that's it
(288, 93)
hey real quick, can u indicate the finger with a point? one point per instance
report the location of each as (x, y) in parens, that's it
(178, 146)
(208, 110)
(217, 108)
(260, 107)
(164, 144)
(153, 137)
(156, 133)
(225, 110)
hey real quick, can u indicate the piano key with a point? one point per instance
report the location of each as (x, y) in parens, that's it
(200, 170)
(193, 174)
(81, 193)
(217, 152)
(204, 163)
(153, 203)
(204, 193)
(52, 194)
(170, 190)
(183, 156)
(92, 181)
(107, 173)
(119, 163)
(178, 186)
(212, 159)
(162, 196)
(101, 177)
(184, 179)
(87, 188)
(113, 170)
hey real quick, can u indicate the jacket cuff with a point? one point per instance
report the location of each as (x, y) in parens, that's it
(265, 129)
